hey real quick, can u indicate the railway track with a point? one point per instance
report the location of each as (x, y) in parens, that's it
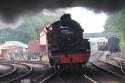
(102, 75)
(66, 77)
(107, 67)
(117, 61)
(51, 76)
(107, 72)
(38, 70)
(121, 66)
(89, 79)
(47, 77)
(113, 61)
(22, 70)
(11, 70)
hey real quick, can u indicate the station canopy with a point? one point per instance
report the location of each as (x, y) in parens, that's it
(13, 43)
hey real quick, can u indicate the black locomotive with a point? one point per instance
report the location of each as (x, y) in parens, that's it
(66, 46)
(113, 44)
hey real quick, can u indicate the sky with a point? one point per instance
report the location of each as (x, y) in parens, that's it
(90, 21)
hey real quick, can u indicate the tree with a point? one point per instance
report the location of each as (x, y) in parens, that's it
(27, 30)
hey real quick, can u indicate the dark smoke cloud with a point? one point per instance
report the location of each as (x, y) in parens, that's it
(11, 9)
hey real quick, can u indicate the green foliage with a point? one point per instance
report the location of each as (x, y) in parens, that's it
(116, 23)
(27, 30)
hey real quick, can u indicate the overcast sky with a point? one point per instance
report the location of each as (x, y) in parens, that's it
(90, 21)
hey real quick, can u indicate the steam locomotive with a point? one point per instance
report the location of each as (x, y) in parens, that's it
(66, 46)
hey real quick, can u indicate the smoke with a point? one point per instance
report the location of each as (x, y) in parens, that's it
(58, 12)
(10, 10)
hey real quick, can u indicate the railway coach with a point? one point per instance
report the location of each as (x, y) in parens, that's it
(113, 44)
(102, 45)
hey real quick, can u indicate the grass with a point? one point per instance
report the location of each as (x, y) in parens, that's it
(45, 58)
